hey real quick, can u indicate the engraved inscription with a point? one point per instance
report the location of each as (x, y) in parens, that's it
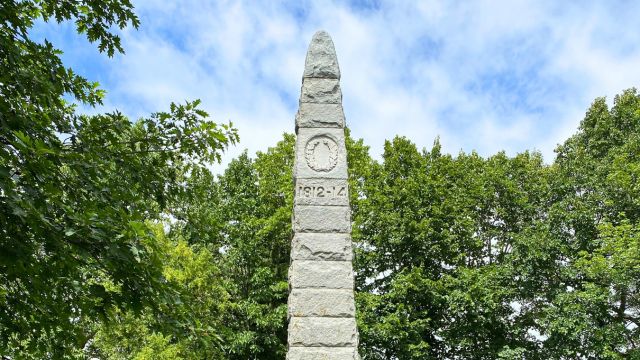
(321, 191)
(321, 153)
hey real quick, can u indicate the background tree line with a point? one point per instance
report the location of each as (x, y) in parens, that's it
(118, 242)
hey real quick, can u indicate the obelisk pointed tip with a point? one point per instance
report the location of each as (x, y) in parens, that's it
(321, 61)
(321, 35)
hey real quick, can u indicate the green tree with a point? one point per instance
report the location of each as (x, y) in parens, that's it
(592, 307)
(256, 205)
(190, 327)
(226, 255)
(472, 258)
(433, 232)
(77, 192)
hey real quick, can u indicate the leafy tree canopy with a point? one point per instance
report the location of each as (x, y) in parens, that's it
(77, 193)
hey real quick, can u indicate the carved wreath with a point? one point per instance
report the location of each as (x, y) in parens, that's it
(310, 154)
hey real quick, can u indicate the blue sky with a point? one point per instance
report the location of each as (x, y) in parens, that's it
(482, 75)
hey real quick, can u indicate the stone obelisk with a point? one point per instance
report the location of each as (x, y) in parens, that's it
(322, 321)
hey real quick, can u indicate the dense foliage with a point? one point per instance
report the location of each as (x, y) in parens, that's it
(471, 258)
(118, 242)
(78, 193)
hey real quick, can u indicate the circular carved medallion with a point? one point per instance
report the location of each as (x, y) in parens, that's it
(321, 153)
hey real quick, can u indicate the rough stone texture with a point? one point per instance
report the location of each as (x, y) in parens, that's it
(322, 192)
(321, 246)
(321, 275)
(330, 219)
(322, 331)
(320, 115)
(321, 91)
(321, 302)
(302, 169)
(322, 353)
(321, 61)
(321, 309)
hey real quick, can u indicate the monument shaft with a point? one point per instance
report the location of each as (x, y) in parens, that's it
(321, 307)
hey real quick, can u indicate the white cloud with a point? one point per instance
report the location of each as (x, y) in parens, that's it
(487, 75)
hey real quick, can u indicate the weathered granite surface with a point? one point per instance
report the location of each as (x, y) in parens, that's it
(321, 60)
(322, 274)
(321, 307)
(321, 246)
(321, 302)
(321, 91)
(322, 331)
(322, 219)
(320, 115)
(322, 353)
